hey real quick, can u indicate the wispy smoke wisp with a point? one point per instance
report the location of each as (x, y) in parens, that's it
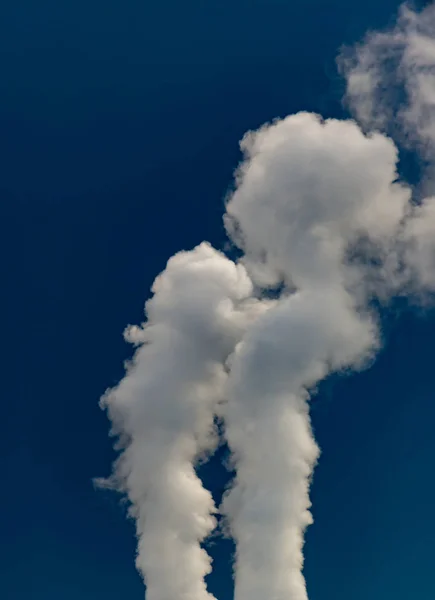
(390, 79)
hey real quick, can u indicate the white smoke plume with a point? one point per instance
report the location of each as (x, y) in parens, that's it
(163, 411)
(323, 221)
(307, 192)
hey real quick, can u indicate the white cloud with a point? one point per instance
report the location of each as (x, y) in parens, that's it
(308, 189)
(391, 79)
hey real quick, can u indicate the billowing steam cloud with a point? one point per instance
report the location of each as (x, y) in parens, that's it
(322, 219)
(306, 193)
(163, 411)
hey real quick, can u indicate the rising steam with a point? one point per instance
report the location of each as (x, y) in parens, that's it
(320, 217)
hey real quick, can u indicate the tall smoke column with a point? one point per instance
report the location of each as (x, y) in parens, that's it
(308, 196)
(163, 411)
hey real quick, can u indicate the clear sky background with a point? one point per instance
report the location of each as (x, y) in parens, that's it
(119, 125)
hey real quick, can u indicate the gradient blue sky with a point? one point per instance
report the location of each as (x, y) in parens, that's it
(119, 130)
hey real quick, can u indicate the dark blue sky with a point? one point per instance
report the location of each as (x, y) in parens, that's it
(119, 130)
